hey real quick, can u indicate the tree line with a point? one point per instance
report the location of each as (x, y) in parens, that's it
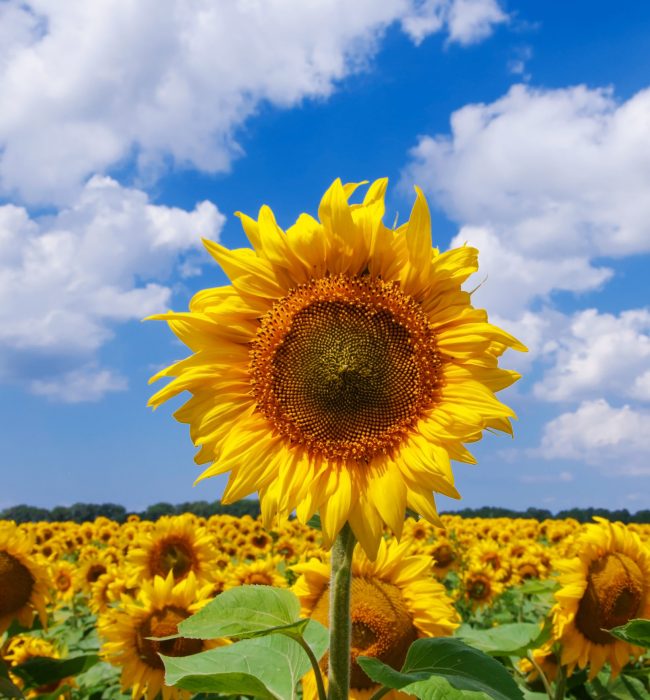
(87, 512)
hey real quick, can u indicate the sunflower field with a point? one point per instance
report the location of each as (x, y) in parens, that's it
(85, 610)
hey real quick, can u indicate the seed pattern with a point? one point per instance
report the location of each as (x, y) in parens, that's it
(612, 598)
(345, 366)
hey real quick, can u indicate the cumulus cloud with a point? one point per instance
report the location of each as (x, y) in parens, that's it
(513, 280)
(467, 21)
(87, 85)
(599, 353)
(555, 172)
(67, 279)
(601, 435)
(87, 383)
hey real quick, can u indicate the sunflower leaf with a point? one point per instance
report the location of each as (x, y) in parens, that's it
(42, 670)
(463, 667)
(245, 612)
(512, 639)
(438, 688)
(264, 667)
(635, 632)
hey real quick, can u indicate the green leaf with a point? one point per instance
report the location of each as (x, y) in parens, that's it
(506, 640)
(437, 688)
(635, 632)
(42, 670)
(462, 666)
(9, 690)
(534, 586)
(244, 612)
(265, 667)
(622, 688)
(314, 522)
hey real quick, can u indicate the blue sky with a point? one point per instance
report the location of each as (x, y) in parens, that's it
(127, 134)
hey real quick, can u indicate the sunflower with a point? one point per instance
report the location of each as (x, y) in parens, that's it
(341, 369)
(63, 577)
(175, 544)
(394, 600)
(480, 585)
(24, 580)
(262, 572)
(23, 647)
(156, 611)
(605, 586)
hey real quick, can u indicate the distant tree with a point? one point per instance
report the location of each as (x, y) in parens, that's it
(25, 514)
(157, 510)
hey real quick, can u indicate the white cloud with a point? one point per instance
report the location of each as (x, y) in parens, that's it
(600, 353)
(614, 439)
(87, 383)
(556, 172)
(513, 279)
(467, 21)
(84, 85)
(67, 279)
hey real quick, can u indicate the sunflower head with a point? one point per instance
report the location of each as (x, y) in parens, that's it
(342, 369)
(605, 586)
(24, 579)
(394, 600)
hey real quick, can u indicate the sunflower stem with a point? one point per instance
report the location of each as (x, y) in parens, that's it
(322, 695)
(560, 683)
(340, 623)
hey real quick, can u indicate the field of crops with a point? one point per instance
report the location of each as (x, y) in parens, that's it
(79, 604)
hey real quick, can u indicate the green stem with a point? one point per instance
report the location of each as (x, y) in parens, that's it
(322, 695)
(340, 624)
(560, 683)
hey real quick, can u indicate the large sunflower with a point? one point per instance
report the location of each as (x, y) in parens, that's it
(24, 580)
(341, 369)
(394, 600)
(605, 586)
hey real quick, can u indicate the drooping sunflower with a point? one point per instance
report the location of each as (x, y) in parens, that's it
(394, 600)
(605, 586)
(24, 647)
(156, 611)
(24, 580)
(341, 369)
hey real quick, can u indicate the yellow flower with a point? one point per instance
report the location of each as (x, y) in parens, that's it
(394, 600)
(342, 369)
(156, 611)
(605, 586)
(175, 544)
(24, 580)
(480, 585)
(23, 647)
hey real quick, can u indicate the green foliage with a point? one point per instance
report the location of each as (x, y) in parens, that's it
(635, 632)
(246, 611)
(513, 639)
(272, 651)
(463, 667)
(40, 670)
(265, 667)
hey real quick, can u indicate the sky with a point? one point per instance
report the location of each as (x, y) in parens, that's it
(130, 129)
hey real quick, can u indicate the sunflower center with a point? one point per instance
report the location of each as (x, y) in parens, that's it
(613, 596)
(164, 623)
(443, 555)
(16, 584)
(171, 554)
(478, 587)
(345, 366)
(381, 625)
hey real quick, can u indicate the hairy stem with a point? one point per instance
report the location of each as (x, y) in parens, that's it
(340, 625)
